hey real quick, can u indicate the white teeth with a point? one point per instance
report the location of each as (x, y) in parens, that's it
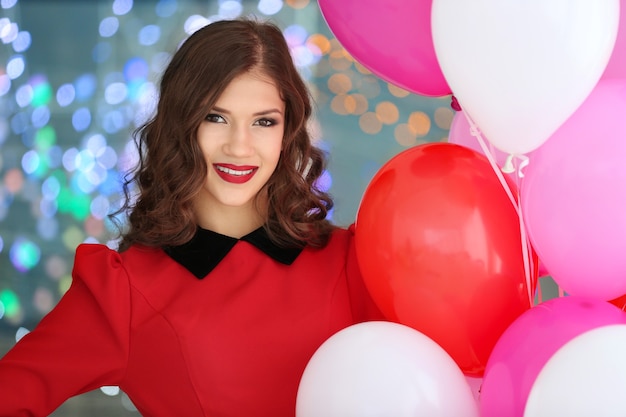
(233, 172)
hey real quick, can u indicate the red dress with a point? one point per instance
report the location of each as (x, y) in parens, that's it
(233, 343)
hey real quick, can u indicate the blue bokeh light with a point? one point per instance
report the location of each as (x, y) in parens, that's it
(22, 41)
(40, 116)
(85, 86)
(7, 4)
(166, 8)
(270, 7)
(5, 84)
(15, 66)
(149, 35)
(122, 7)
(108, 26)
(24, 254)
(24, 95)
(81, 119)
(66, 94)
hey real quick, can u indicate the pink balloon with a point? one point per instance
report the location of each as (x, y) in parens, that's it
(390, 38)
(616, 68)
(529, 342)
(573, 197)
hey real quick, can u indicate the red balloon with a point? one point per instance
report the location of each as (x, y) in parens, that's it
(620, 302)
(439, 245)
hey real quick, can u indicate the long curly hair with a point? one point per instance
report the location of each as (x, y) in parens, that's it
(171, 168)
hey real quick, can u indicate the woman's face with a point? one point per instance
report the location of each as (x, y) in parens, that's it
(241, 139)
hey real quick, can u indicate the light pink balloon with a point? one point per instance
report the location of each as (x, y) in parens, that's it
(616, 68)
(461, 134)
(573, 197)
(529, 342)
(390, 38)
(475, 384)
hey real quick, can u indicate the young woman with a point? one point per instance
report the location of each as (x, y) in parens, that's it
(228, 276)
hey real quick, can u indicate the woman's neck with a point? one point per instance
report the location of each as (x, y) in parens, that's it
(233, 221)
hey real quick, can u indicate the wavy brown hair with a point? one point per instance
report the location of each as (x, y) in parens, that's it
(172, 169)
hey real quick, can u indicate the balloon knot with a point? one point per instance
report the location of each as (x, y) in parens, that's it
(509, 167)
(455, 104)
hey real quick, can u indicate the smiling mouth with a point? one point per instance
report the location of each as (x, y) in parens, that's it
(235, 175)
(234, 171)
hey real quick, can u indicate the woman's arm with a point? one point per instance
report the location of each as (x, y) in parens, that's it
(80, 345)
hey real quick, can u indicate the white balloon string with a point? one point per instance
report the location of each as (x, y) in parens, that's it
(476, 133)
(524, 161)
(526, 250)
(525, 243)
(526, 247)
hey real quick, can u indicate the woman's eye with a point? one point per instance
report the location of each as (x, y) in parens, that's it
(215, 118)
(266, 122)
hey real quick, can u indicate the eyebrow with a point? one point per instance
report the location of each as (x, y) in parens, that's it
(260, 113)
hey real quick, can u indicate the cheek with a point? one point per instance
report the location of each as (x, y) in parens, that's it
(209, 137)
(207, 148)
(277, 153)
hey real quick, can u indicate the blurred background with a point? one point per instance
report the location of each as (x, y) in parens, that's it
(77, 77)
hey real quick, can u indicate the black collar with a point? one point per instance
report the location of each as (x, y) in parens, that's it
(207, 249)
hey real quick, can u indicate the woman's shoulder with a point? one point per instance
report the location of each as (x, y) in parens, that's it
(339, 244)
(135, 262)
(342, 234)
(103, 254)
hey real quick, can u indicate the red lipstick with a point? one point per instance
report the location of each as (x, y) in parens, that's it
(235, 174)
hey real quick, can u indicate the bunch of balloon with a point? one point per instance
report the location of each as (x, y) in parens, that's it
(446, 243)
(551, 76)
(453, 254)
(520, 70)
(439, 245)
(551, 87)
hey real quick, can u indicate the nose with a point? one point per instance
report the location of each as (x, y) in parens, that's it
(239, 143)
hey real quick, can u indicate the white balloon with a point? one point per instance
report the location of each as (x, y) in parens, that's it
(383, 369)
(520, 68)
(585, 377)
